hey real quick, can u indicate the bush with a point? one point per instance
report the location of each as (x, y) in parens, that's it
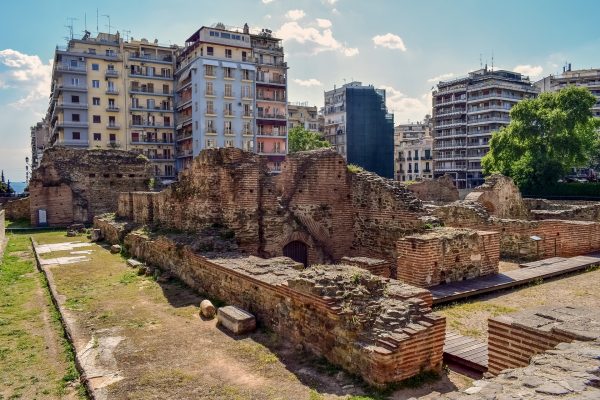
(589, 190)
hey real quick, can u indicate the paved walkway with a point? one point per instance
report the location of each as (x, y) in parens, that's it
(466, 351)
(529, 272)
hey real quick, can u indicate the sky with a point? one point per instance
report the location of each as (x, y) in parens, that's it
(403, 46)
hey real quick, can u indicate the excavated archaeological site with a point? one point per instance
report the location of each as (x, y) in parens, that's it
(348, 265)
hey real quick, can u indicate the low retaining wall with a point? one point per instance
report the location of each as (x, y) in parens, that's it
(514, 339)
(17, 209)
(373, 265)
(112, 231)
(2, 232)
(379, 328)
(446, 255)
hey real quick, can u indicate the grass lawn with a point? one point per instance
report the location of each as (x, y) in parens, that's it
(36, 361)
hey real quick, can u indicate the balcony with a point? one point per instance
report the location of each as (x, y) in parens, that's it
(185, 153)
(151, 109)
(210, 131)
(113, 125)
(111, 73)
(272, 134)
(73, 143)
(147, 76)
(146, 140)
(149, 124)
(160, 157)
(71, 69)
(161, 59)
(151, 92)
(279, 99)
(71, 124)
(271, 81)
(263, 115)
(490, 120)
(77, 106)
(72, 87)
(113, 91)
(112, 109)
(272, 152)
(114, 144)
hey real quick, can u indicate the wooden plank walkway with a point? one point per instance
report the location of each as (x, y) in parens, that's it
(466, 351)
(529, 272)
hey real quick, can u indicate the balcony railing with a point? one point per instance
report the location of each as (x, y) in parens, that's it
(72, 124)
(69, 68)
(112, 108)
(145, 90)
(148, 76)
(74, 143)
(160, 157)
(114, 91)
(113, 125)
(111, 73)
(163, 59)
(151, 109)
(280, 81)
(70, 86)
(270, 98)
(144, 140)
(149, 124)
(67, 104)
(271, 116)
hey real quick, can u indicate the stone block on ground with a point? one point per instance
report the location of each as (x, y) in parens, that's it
(71, 233)
(115, 248)
(79, 228)
(207, 309)
(96, 235)
(133, 263)
(236, 320)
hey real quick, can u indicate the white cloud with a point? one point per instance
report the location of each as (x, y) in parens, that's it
(390, 41)
(407, 108)
(529, 70)
(295, 14)
(441, 77)
(267, 16)
(308, 82)
(26, 74)
(317, 40)
(267, 1)
(331, 2)
(323, 23)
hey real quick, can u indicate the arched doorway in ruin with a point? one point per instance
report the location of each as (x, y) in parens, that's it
(297, 251)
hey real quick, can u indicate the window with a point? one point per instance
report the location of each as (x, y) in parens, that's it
(209, 89)
(248, 145)
(225, 35)
(210, 107)
(261, 147)
(228, 72)
(74, 63)
(244, 56)
(210, 126)
(97, 137)
(210, 143)
(209, 70)
(112, 122)
(167, 121)
(228, 128)
(247, 128)
(228, 110)
(247, 110)
(228, 53)
(75, 81)
(96, 83)
(111, 104)
(74, 99)
(196, 106)
(112, 137)
(246, 93)
(165, 89)
(96, 101)
(95, 67)
(427, 166)
(229, 143)
(228, 90)
(96, 119)
(210, 51)
(416, 168)
(246, 74)
(76, 135)
(428, 155)
(75, 117)
(416, 154)
(92, 50)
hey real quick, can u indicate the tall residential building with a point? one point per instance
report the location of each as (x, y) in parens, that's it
(111, 93)
(308, 117)
(40, 140)
(358, 125)
(413, 151)
(589, 78)
(271, 97)
(466, 111)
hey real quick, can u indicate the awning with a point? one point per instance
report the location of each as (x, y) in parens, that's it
(248, 66)
(229, 64)
(210, 62)
(184, 76)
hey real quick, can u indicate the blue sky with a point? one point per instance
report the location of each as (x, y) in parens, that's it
(400, 45)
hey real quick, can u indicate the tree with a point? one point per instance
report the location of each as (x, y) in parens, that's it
(301, 139)
(546, 137)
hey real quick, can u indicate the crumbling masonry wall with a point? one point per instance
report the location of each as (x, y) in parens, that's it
(381, 329)
(73, 185)
(500, 197)
(446, 255)
(17, 209)
(440, 190)
(574, 211)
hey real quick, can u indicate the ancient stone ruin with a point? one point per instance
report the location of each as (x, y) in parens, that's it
(72, 186)
(440, 190)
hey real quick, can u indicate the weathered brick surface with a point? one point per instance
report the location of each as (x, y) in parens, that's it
(379, 328)
(373, 265)
(74, 185)
(574, 211)
(440, 190)
(514, 339)
(2, 232)
(17, 209)
(500, 197)
(445, 255)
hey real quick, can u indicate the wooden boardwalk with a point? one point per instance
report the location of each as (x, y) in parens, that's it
(466, 352)
(529, 272)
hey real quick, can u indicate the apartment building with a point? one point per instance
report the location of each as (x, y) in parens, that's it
(308, 117)
(358, 125)
(466, 111)
(216, 88)
(271, 97)
(111, 93)
(589, 78)
(40, 140)
(413, 155)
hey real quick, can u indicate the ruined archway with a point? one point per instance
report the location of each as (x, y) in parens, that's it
(297, 251)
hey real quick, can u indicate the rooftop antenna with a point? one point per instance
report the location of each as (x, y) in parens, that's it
(108, 17)
(70, 26)
(85, 21)
(97, 29)
(126, 32)
(492, 60)
(480, 61)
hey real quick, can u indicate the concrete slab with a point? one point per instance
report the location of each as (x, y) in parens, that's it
(236, 320)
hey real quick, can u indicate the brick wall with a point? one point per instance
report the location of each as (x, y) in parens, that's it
(514, 339)
(373, 265)
(392, 339)
(17, 209)
(440, 190)
(74, 185)
(500, 197)
(446, 255)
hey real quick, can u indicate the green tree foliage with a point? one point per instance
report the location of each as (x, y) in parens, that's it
(5, 186)
(301, 139)
(546, 137)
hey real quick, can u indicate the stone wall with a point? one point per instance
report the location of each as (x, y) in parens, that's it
(446, 255)
(17, 209)
(2, 231)
(440, 190)
(378, 328)
(500, 197)
(562, 238)
(545, 209)
(315, 201)
(73, 185)
(514, 339)
(373, 265)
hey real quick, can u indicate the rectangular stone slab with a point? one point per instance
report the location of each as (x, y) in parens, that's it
(236, 320)
(134, 263)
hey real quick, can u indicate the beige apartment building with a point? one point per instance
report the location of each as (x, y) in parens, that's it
(413, 151)
(308, 117)
(111, 93)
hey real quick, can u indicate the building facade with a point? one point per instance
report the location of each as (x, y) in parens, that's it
(40, 140)
(589, 78)
(413, 151)
(308, 117)
(466, 111)
(111, 93)
(359, 127)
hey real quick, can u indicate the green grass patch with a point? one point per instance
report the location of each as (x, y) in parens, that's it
(19, 223)
(355, 168)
